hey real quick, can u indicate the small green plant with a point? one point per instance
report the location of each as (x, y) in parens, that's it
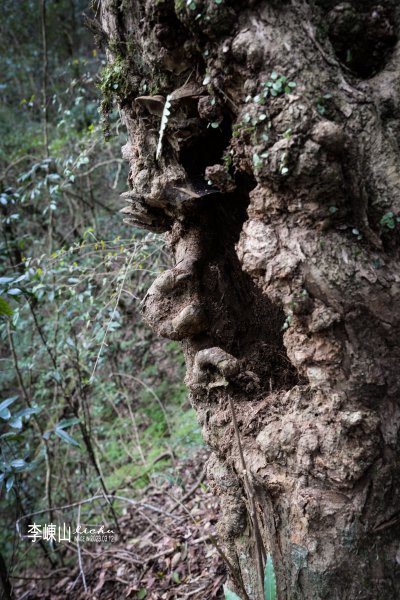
(323, 103)
(269, 583)
(389, 220)
(283, 168)
(227, 159)
(179, 6)
(275, 86)
(287, 322)
(113, 84)
(288, 134)
(258, 159)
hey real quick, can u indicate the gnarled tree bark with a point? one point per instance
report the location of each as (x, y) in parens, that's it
(278, 186)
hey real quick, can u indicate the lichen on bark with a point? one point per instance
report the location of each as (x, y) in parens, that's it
(286, 279)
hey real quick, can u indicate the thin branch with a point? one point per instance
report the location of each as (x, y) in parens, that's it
(100, 164)
(111, 318)
(16, 162)
(152, 392)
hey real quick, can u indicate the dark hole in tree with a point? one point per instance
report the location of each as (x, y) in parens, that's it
(206, 149)
(362, 34)
(244, 322)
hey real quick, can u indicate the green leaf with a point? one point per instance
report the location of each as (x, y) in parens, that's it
(6, 280)
(230, 595)
(4, 412)
(7, 402)
(67, 423)
(27, 412)
(19, 464)
(66, 437)
(175, 577)
(9, 483)
(5, 308)
(16, 423)
(269, 580)
(142, 593)
(14, 292)
(257, 161)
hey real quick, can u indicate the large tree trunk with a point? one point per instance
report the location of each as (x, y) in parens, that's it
(286, 285)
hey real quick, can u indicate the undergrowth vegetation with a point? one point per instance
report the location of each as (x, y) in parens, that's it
(91, 403)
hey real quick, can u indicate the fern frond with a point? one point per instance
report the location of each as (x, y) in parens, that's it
(164, 121)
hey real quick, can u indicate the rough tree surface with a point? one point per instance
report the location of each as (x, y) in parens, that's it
(278, 184)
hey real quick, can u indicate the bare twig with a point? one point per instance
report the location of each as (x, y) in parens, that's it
(103, 163)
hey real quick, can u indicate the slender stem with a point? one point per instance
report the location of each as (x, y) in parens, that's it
(45, 76)
(45, 68)
(78, 547)
(251, 497)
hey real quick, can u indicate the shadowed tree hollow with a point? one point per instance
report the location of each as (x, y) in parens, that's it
(264, 142)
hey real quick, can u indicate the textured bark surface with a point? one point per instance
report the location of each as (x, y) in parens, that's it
(285, 292)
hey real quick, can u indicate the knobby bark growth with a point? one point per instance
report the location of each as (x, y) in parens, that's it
(278, 187)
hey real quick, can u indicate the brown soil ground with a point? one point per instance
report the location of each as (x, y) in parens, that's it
(165, 555)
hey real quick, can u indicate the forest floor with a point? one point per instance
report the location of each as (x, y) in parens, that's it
(167, 550)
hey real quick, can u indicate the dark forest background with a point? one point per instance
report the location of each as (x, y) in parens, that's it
(91, 404)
